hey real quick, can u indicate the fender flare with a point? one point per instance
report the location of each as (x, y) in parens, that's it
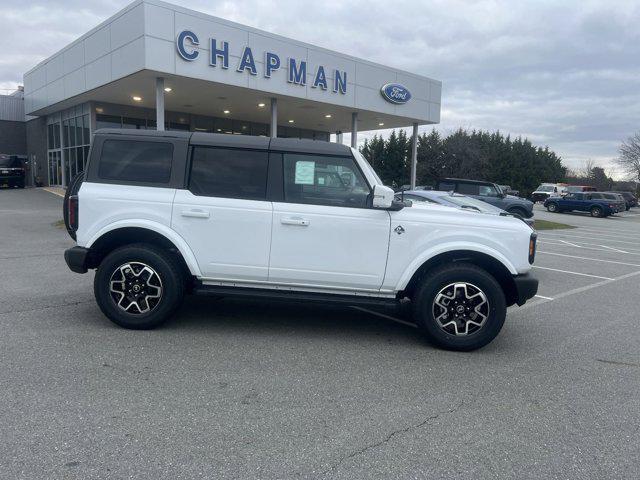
(164, 230)
(427, 255)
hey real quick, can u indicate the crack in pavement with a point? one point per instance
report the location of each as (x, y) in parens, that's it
(390, 436)
(615, 362)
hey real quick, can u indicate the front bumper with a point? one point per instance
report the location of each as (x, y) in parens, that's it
(526, 287)
(77, 259)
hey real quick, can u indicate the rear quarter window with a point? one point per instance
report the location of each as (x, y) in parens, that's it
(136, 161)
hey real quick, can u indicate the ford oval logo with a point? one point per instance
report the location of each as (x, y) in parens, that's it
(395, 93)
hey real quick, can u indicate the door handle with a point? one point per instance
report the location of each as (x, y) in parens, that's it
(301, 222)
(195, 213)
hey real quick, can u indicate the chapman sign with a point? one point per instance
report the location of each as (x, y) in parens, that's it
(219, 56)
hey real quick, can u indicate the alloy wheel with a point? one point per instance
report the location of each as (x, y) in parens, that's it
(135, 288)
(460, 309)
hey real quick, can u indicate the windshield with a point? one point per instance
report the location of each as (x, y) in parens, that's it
(368, 165)
(545, 188)
(9, 162)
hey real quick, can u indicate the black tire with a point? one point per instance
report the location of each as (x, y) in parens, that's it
(518, 211)
(163, 264)
(596, 212)
(553, 207)
(72, 189)
(441, 336)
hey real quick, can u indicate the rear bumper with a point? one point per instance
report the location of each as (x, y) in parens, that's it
(77, 259)
(526, 287)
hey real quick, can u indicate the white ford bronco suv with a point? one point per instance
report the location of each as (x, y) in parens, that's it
(162, 214)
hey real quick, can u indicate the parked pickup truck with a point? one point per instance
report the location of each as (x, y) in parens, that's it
(161, 214)
(581, 202)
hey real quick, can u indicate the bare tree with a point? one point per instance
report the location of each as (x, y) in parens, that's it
(629, 159)
(589, 164)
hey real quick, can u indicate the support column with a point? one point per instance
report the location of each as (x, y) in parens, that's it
(354, 130)
(414, 155)
(338, 136)
(159, 103)
(274, 118)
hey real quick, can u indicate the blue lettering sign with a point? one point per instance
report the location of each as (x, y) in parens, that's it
(247, 62)
(187, 41)
(395, 93)
(271, 63)
(340, 82)
(297, 74)
(193, 38)
(223, 53)
(320, 79)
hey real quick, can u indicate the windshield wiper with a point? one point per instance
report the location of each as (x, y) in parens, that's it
(471, 207)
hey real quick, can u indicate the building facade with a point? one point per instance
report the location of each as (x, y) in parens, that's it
(154, 65)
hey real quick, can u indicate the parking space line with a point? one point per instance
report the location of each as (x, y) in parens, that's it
(569, 243)
(627, 233)
(573, 273)
(555, 236)
(586, 248)
(542, 296)
(580, 290)
(614, 249)
(588, 258)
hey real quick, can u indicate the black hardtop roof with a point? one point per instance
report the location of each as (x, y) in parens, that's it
(238, 141)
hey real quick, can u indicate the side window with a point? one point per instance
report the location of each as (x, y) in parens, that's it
(324, 180)
(136, 161)
(487, 191)
(229, 173)
(447, 187)
(469, 189)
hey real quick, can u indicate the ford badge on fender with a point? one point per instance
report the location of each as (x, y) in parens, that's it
(395, 93)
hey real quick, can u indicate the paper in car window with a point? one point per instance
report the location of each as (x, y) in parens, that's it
(305, 171)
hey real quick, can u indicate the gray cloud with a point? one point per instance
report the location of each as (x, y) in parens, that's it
(565, 74)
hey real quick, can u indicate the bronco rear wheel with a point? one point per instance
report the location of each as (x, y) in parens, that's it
(596, 211)
(139, 286)
(459, 307)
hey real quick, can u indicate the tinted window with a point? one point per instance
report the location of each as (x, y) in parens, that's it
(136, 161)
(229, 173)
(469, 189)
(323, 180)
(595, 195)
(447, 187)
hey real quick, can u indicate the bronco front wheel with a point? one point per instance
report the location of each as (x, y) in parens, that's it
(459, 307)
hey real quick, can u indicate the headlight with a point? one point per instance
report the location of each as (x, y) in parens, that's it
(532, 247)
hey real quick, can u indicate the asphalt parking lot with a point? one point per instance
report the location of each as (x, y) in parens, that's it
(233, 389)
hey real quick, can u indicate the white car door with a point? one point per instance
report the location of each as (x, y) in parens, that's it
(224, 215)
(324, 234)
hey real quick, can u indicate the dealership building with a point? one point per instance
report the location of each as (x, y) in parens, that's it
(155, 65)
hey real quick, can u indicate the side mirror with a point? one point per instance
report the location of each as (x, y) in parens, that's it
(383, 197)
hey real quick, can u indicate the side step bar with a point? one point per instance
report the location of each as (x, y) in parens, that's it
(293, 296)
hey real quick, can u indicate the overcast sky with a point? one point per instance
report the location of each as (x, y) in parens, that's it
(563, 73)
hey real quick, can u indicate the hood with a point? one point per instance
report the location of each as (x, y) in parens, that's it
(462, 218)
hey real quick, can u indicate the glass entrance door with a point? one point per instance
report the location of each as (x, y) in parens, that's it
(55, 168)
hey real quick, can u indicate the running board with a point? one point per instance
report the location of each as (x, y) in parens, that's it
(294, 296)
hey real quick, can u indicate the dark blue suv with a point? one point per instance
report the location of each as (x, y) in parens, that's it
(581, 202)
